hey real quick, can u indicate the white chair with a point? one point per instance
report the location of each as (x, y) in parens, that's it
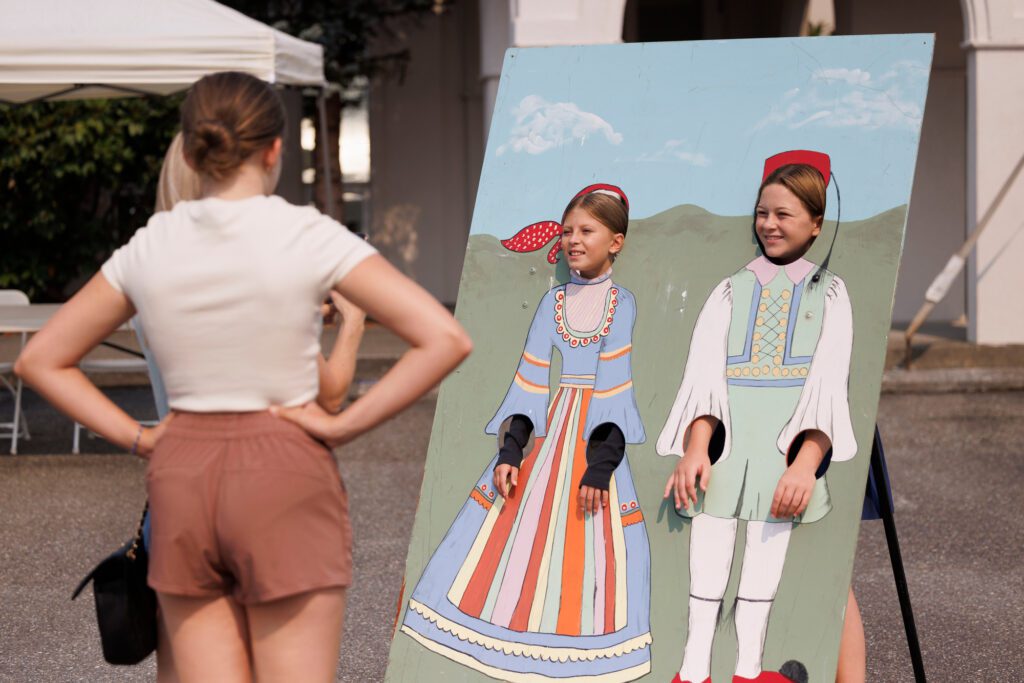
(18, 426)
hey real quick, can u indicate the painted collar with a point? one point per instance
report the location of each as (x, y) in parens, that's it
(577, 279)
(576, 338)
(765, 270)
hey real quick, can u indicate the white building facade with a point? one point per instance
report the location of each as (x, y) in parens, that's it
(428, 129)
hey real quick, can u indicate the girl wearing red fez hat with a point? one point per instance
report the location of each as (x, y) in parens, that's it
(546, 569)
(761, 411)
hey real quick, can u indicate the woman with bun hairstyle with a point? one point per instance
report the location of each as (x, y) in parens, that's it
(250, 551)
(178, 182)
(545, 573)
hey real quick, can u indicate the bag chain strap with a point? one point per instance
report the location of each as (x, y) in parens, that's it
(131, 554)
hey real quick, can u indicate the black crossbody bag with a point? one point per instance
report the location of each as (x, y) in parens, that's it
(125, 604)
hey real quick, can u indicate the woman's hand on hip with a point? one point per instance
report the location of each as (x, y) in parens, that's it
(317, 422)
(150, 437)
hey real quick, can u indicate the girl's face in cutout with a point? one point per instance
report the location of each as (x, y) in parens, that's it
(783, 224)
(588, 244)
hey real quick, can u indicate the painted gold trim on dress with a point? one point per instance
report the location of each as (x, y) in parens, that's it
(633, 517)
(481, 499)
(621, 676)
(529, 386)
(617, 353)
(533, 360)
(577, 381)
(614, 390)
(542, 652)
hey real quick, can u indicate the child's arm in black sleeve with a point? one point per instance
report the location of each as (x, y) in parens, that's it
(518, 435)
(605, 450)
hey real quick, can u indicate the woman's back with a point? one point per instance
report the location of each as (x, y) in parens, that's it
(229, 292)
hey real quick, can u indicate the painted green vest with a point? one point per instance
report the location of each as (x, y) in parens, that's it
(775, 328)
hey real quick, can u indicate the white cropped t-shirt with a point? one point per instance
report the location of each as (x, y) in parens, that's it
(229, 294)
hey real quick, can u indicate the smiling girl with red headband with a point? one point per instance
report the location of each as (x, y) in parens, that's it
(546, 570)
(762, 409)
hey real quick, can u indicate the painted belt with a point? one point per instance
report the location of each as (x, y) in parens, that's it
(577, 381)
(768, 382)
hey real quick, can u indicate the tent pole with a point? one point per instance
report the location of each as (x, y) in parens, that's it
(325, 160)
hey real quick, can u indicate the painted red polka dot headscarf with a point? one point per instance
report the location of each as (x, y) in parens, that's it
(538, 235)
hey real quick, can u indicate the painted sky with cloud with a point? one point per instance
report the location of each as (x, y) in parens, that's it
(541, 126)
(691, 123)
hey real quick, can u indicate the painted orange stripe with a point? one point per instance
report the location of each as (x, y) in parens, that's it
(521, 616)
(483, 576)
(605, 393)
(609, 572)
(473, 599)
(520, 378)
(618, 353)
(533, 360)
(571, 604)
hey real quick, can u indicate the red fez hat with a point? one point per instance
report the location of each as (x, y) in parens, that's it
(818, 160)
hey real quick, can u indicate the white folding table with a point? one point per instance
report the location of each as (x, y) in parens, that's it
(26, 320)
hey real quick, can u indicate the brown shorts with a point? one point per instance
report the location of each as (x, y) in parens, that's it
(245, 504)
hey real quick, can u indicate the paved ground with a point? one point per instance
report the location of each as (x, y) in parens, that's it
(956, 462)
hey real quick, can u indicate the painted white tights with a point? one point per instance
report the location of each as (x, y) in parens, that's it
(712, 542)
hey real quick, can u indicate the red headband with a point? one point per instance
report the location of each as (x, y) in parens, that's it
(817, 160)
(606, 188)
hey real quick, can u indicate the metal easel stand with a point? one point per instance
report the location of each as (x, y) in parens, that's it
(899, 575)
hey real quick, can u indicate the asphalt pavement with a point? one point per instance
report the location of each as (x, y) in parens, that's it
(956, 461)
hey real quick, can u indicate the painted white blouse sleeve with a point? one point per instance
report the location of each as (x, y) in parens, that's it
(824, 402)
(703, 390)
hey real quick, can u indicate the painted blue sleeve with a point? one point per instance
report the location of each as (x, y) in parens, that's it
(614, 400)
(528, 393)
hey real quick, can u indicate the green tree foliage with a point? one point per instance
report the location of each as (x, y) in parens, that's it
(345, 28)
(78, 178)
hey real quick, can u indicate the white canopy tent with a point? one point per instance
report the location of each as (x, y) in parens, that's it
(57, 49)
(83, 49)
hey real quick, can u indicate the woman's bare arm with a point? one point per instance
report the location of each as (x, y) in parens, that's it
(49, 363)
(438, 344)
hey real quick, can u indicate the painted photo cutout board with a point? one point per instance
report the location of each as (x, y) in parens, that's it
(693, 325)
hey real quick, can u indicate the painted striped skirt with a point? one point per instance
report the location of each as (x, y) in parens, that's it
(529, 588)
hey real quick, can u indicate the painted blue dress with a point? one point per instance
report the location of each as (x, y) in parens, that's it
(528, 588)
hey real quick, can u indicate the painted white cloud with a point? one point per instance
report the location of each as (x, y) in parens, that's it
(840, 97)
(676, 150)
(849, 76)
(542, 125)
